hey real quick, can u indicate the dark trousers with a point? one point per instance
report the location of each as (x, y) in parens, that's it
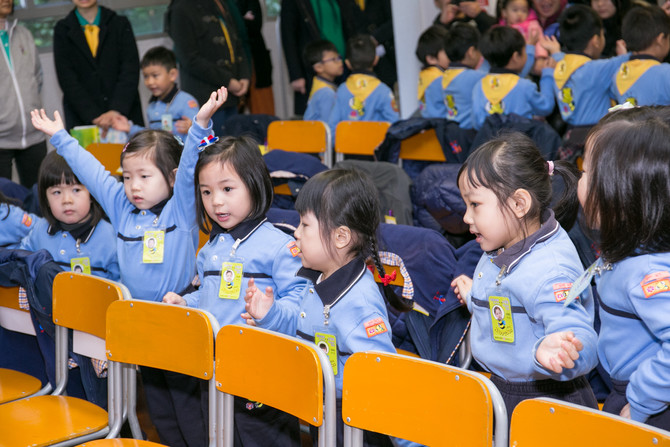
(617, 400)
(27, 161)
(370, 438)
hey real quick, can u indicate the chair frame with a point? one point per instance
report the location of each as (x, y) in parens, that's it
(280, 132)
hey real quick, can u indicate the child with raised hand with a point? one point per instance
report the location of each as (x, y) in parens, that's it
(342, 308)
(72, 229)
(233, 193)
(543, 348)
(15, 222)
(632, 274)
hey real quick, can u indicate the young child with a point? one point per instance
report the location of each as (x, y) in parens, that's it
(644, 80)
(518, 15)
(433, 56)
(362, 97)
(459, 80)
(529, 264)
(327, 64)
(580, 82)
(342, 307)
(234, 191)
(15, 223)
(169, 108)
(632, 276)
(503, 91)
(72, 229)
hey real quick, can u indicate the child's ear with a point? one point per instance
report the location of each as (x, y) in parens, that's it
(521, 201)
(172, 74)
(342, 237)
(431, 60)
(347, 63)
(173, 175)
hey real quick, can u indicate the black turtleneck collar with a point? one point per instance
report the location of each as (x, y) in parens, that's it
(336, 285)
(642, 56)
(79, 231)
(499, 70)
(169, 97)
(240, 231)
(156, 209)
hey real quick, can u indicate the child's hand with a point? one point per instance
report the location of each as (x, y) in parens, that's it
(621, 46)
(462, 285)
(625, 411)
(173, 298)
(183, 125)
(257, 303)
(559, 350)
(534, 36)
(216, 100)
(550, 43)
(42, 122)
(121, 123)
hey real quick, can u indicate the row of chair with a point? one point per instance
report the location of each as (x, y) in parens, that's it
(405, 397)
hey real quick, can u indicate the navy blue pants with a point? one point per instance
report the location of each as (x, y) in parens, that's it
(617, 400)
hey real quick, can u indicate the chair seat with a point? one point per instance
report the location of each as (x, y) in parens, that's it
(45, 420)
(120, 443)
(16, 385)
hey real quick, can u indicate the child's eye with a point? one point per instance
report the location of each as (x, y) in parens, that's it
(227, 188)
(204, 192)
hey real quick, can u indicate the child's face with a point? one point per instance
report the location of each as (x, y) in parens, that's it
(70, 204)
(330, 66)
(159, 80)
(604, 8)
(493, 226)
(143, 182)
(582, 185)
(515, 12)
(314, 253)
(498, 313)
(85, 4)
(224, 195)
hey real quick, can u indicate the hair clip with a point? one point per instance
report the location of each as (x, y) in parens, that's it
(125, 147)
(550, 166)
(208, 141)
(386, 280)
(623, 106)
(179, 140)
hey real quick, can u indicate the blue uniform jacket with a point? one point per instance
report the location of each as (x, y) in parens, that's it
(432, 104)
(98, 244)
(524, 99)
(588, 98)
(177, 104)
(177, 219)
(265, 253)
(378, 106)
(539, 271)
(634, 339)
(357, 313)
(652, 88)
(321, 101)
(458, 93)
(15, 224)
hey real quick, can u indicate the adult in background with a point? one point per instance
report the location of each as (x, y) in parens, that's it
(548, 12)
(21, 87)
(463, 11)
(208, 43)
(97, 66)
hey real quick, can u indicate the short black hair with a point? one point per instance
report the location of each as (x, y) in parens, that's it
(642, 24)
(461, 37)
(313, 52)
(431, 42)
(243, 156)
(577, 26)
(54, 171)
(159, 56)
(361, 52)
(499, 44)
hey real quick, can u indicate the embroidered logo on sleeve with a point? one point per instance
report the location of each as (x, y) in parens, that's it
(561, 290)
(375, 327)
(192, 103)
(655, 283)
(27, 220)
(293, 248)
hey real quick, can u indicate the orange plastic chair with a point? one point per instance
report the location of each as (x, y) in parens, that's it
(436, 404)
(359, 137)
(14, 384)
(284, 372)
(108, 154)
(423, 146)
(312, 137)
(553, 423)
(79, 303)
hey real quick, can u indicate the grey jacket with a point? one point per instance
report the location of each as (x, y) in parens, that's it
(21, 87)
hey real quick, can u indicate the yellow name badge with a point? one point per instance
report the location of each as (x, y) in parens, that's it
(153, 247)
(328, 343)
(231, 280)
(80, 265)
(501, 319)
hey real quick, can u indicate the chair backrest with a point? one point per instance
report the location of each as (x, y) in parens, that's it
(423, 146)
(420, 400)
(278, 370)
(359, 137)
(12, 317)
(108, 154)
(312, 137)
(552, 423)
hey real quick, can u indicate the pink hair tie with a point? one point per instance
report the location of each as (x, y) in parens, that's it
(125, 147)
(551, 167)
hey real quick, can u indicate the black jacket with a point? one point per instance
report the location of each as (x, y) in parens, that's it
(92, 86)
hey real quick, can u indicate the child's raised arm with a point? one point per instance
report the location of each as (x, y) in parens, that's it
(559, 350)
(42, 122)
(258, 304)
(216, 100)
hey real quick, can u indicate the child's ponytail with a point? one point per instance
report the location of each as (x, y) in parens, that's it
(567, 205)
(397, 302)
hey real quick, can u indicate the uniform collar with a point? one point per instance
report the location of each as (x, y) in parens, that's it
(80, 231)
(242, 231)
(338, 284)
(326, 81)
(169, 97)
(82, 21)
(499, 70)
(510, 258)
(457, 65)
(642, 56)
(156, 209)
